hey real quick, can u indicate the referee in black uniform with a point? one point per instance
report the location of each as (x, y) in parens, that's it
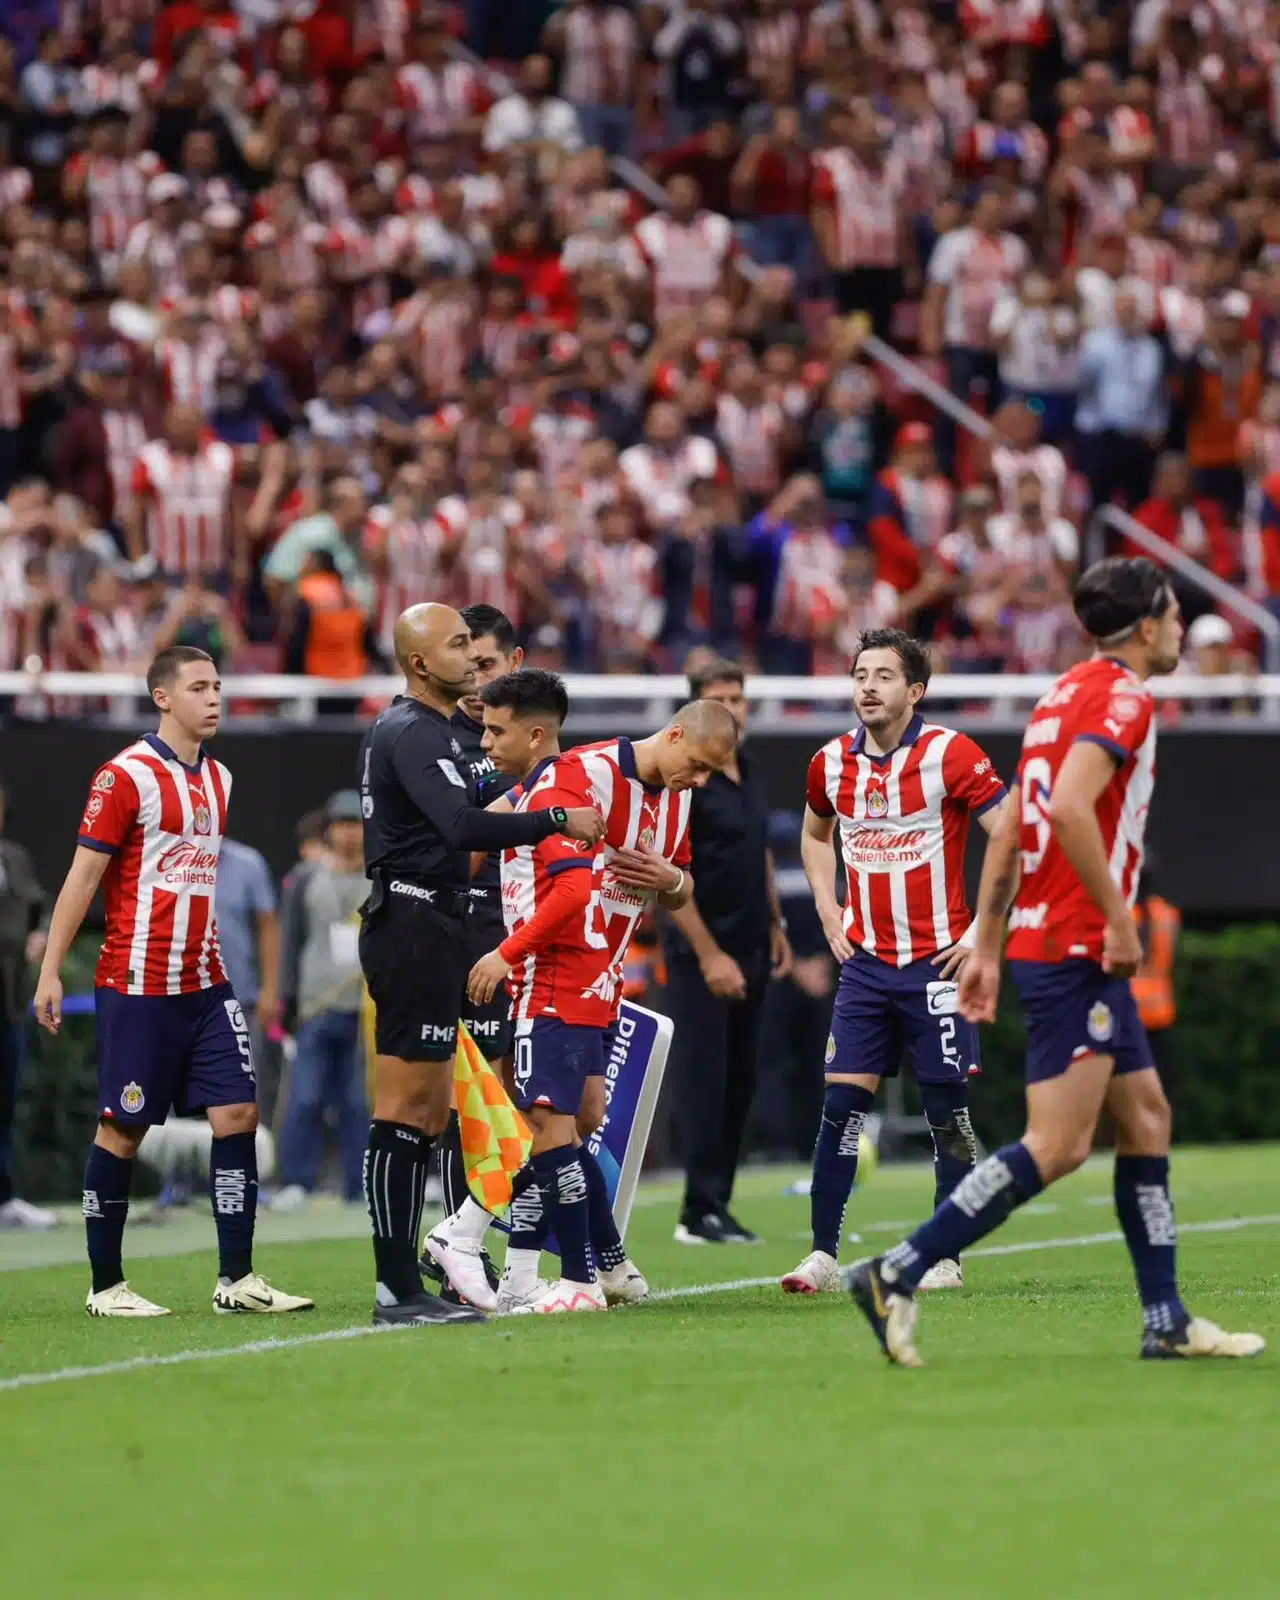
(420, 828)
(496, 653)
(721, 949)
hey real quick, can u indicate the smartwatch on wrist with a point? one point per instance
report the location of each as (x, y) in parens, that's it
(559, 818)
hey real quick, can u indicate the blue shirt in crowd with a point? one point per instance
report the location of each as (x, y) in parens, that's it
(244, 893)
(1121, 383)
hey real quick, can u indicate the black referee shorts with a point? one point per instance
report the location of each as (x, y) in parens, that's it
(414, 955)
(490, 1026)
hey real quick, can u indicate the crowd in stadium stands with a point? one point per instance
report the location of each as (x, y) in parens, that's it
(313, 308)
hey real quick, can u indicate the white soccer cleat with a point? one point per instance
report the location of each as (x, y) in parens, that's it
(624, 1285)
(462, 1262)
(565, 1295)
(291, 1198)
(254, 1296)
(17, 1213)
(818, 1273)
(512, 1300)
(1202, 1338)
(944, 1274)
(121, 1301)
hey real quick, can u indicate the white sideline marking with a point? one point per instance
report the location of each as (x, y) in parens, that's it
(257, 1347)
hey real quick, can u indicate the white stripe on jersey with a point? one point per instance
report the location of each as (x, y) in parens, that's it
(148, 786)
(182, 905)
(935, 790)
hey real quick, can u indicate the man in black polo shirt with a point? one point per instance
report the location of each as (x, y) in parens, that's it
(721, 949)
(420, 828)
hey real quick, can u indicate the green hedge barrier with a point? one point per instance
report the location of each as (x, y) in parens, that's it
(1219, 1063)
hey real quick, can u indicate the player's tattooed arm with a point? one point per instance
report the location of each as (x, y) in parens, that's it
(1001, 870)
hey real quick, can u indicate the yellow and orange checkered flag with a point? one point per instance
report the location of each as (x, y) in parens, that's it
(495, 1138)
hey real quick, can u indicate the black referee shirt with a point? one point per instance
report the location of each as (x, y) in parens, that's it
(487, 783)
(729, 838)
(419, 819)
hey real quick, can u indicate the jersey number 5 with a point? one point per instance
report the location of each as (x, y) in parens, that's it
(1037, 785)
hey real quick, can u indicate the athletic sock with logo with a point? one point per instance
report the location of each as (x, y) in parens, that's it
(977, 1206)
(955, 1148)
(1145, 1209)
(233, 1189)
(527, 1220)
(564, 1198)
(835, 1161)
(606, 1241)
(107, 1179)
(453, 1172)
(397, 1163)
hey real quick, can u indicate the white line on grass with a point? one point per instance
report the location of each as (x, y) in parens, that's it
(257, 1347)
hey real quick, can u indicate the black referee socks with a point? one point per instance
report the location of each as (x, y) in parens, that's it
(397, 1161)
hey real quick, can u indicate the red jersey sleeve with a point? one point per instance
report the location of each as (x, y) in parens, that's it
(815, 789)
(1117, 715)
(110, 811)
(559, 853)
(970, 776)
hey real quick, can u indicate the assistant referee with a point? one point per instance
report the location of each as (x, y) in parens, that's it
(419, 831)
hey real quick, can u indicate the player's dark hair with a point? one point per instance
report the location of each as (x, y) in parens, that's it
(531, 692)
(484, 621)
(1114, 596)
(169, 663)
(717, 671)
(309, 827)
(916, 666)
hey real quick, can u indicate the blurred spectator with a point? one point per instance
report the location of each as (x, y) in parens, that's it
(1123, 408)
(1037, 338)
(22, 941)
(699, 49)
(598, 47)
(322, 993)
(249, 939)
(532, 119)
(331, 636)
(1191, 523)
(1223, 390)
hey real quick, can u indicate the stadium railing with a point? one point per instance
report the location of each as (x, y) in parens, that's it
(783, 704)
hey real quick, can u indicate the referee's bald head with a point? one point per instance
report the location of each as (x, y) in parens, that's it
(434, 650)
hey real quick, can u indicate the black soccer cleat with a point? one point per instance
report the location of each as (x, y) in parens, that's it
(422, 1308)
(734, 1231)
(708, 1229)
(890, 1313)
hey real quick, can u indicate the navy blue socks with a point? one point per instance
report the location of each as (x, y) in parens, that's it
(233, 1189)
(564, 1199)
(1146, 1217)
(106, 1205)
(606, 1241)
(978, 1204)
(835, 1161)
(955, 1148)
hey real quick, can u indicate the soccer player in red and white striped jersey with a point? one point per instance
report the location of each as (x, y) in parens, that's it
(900, 792)
(182, 493)
(1065, 858)
(171, 1034)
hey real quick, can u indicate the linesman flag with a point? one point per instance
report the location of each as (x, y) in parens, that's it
(495, 1138)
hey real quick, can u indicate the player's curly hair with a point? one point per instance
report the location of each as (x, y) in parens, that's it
(1114, 596)
(914, 656)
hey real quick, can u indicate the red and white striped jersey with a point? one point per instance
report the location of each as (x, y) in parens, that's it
(808, 596)
(482, 573)
(440, 334)
(116, 195)
(188, 496)
(624, 582)
(636, 816)
(1155, 261)
(162, 253)
(661, 480)
(326, 189)
(751, 439)
(437, 103)
(414, 549)
(975, 268)
(558, 436)
(126, 434)
(190, 371)
(1187, 120)
(1049, 465)
(568, 976)
(686, 260)
(987, 140)
(1101, 702)
(866, 205)
(163, 824)
(601, 48)
(903, 820)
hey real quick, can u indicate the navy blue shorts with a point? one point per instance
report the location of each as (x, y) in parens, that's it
(882, 1012)
(1076, 1009)
(171, 1051)
(553, 1061)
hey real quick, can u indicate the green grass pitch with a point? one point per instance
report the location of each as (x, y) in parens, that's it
(727, 1444)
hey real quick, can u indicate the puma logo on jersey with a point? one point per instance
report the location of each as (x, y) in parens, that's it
(602, 988)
